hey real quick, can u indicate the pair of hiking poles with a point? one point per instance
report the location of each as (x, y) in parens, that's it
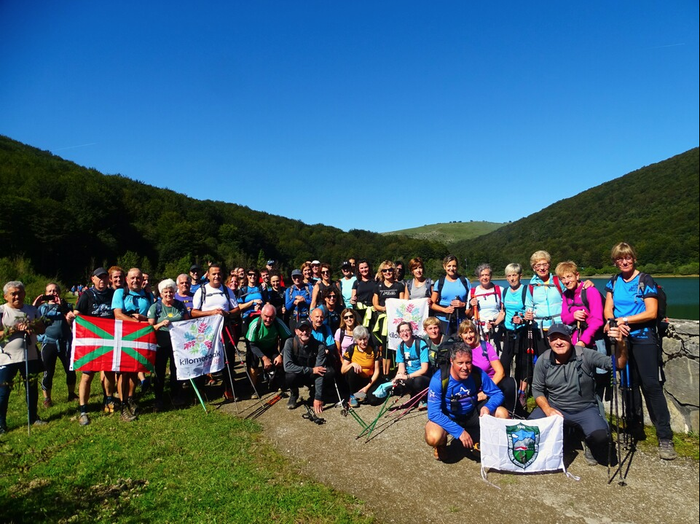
(621, 449)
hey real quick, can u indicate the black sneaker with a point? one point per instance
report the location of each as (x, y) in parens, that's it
(293, 402)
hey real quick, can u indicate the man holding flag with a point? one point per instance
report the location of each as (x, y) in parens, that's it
(130, 304)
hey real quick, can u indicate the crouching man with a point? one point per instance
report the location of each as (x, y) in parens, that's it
(457, 397)
(305, 365)
(564, 384)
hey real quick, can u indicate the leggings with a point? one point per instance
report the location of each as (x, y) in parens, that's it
(49, 353)
(644, 370)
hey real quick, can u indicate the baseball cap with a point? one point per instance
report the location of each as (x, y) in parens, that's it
(270, 262)
(100, 271)
(297, 273)
(315, 262)
(345, 265)
(304, 323)
(560, 329)
(195, 267)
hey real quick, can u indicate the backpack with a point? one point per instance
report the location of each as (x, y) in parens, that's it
(445, 377)
(579, 365)
(441, 284)
(584, 298)
(505, 292)
(409, 286)
(227, 292)
(556, 284)
(417, 342)
(440, 354)
(661, 320)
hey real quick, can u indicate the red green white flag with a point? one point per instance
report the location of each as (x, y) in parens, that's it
(103, 344)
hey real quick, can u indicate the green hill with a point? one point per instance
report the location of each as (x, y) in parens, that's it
(654, 208)
(451, 232)
(62, 220)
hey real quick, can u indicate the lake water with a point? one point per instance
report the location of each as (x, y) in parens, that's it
(682, 295)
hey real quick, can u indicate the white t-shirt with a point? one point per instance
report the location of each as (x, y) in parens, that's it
(12, 351)
(215, 298)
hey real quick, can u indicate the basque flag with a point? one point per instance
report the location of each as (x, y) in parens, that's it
(103, 344)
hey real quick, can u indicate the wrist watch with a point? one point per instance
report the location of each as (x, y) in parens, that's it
(624, 319)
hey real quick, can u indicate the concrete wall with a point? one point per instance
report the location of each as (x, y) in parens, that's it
(682, 369)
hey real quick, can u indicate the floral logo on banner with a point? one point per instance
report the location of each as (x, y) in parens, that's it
(408, 312)
(199, 338)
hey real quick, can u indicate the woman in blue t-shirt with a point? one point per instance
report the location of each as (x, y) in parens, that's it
(631, 300)
(450, 296)
(412, 361)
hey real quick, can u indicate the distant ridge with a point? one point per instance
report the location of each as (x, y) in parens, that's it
(654, 208)
(449, 232)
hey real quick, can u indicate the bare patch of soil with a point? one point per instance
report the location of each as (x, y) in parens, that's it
(400, 481)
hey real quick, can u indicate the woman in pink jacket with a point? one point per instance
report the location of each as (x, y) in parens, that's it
(582, 308)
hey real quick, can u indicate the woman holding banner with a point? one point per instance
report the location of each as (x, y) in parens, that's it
(161, 315)
(387, 288)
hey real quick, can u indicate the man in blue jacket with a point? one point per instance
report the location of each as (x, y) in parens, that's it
(456, 399)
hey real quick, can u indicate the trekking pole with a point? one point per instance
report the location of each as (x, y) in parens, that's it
(228, 367)
(25, 338)
(529, 356)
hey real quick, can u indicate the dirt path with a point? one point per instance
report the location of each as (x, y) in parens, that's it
(396, 475)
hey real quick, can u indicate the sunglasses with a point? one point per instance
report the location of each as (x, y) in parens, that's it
(325, 272)
(388, 270)
(348, 317)
(331, 297)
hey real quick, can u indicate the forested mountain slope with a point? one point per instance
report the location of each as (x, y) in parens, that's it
(64, 219)
(654, 208)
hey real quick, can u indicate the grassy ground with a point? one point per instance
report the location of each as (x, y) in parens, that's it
(174, 466)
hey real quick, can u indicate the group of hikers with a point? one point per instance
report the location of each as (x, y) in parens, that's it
(485, 348)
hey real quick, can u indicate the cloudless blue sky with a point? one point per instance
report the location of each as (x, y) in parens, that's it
(376, 115)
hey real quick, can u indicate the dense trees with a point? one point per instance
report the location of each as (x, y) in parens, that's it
(61, 220)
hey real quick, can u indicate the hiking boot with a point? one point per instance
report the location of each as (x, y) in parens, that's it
(254, 396)
(353, 402)
(423, 405)
(440, 452)
(228, 395)
(158, 406)
(360, 396)
(47, 403)
(132, 406)
(39, 422)
(145, 385)
(293, 401)
(666, 450)
(127, 416)
(588, 455)
(109, 407)
(72, 396)
(84, 420)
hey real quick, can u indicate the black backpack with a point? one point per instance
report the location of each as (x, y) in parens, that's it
(661, 320)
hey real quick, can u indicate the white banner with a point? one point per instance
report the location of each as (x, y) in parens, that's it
(522, 446)
(197, 346)
(412, 311)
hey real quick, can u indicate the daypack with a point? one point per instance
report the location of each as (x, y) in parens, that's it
(584, 298)
(426, 286)
(505, 292)
(546, 358)
(417, 347)
(441, 284)
(227, 292)
(496, 291)
(556, 284)
(445, 377)
(661, 320)
(440, 354)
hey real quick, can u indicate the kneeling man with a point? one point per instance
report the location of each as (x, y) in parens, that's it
(457, 397)
(564, 384)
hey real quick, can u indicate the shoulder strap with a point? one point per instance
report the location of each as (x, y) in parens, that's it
(484, 350)
(441, 284)
(472, 292)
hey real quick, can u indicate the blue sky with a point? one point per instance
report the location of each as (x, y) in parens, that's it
(371, 115)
